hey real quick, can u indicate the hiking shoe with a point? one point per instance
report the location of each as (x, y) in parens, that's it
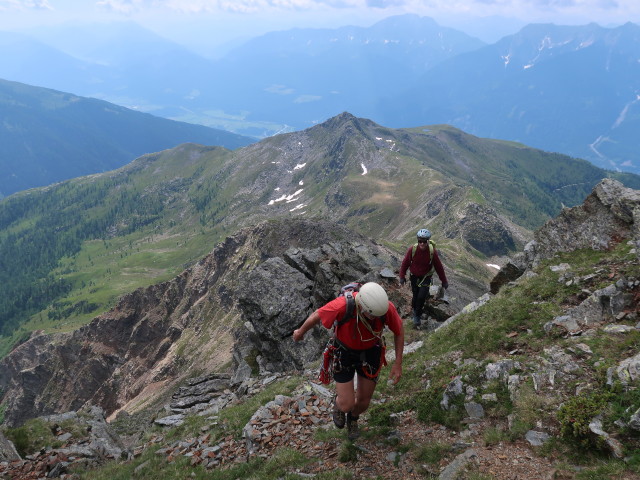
(339, 417)
(352, 427)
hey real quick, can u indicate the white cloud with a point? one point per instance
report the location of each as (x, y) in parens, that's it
(279, 89)
(307, 98)
(125, 7)
(6, 5)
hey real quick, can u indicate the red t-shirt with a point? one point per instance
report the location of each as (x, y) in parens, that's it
(353, 333)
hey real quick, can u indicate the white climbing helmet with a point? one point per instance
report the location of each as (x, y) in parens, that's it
(424, 233)
(373, 299)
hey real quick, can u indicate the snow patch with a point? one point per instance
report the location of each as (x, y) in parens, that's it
(287, 198)
(297, 207)
(299, 166)
(493, 265)
(364, 169)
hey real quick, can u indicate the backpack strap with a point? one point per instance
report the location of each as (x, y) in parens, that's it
(432, 247)
(351, 305)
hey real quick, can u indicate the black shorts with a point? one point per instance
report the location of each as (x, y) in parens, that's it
(365, 362)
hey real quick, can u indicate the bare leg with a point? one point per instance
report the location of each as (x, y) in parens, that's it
(364, 393)
(345, 396)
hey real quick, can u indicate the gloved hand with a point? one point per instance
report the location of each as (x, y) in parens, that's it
(445, 285)
(403, 281)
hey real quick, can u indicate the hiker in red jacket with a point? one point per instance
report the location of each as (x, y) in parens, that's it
(422, 261)
(358, 347)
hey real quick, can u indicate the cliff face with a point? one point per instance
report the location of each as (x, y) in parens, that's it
(231, 311)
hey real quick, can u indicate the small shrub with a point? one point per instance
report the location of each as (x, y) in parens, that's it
(576, 414)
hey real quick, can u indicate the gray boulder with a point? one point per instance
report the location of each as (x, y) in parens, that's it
(7, 450)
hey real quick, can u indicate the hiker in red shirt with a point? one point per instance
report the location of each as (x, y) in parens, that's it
(358, 348)
(422, 261)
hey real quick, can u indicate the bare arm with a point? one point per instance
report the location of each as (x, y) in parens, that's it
(309, 323)
(396, 369)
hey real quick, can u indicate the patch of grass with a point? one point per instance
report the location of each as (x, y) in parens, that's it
(379, 415)
(479, 476)
(609, 469)
(429, 409)
(151, 467)
(432, 453)
(504, 405)
(609, 349)
(327, 434)
(529, 406)
(348, 452)
(31, 437)
(495, 435)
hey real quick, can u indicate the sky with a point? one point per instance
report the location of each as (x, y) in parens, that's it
(218, 22)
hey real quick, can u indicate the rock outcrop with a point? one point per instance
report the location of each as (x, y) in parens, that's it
(609, 215)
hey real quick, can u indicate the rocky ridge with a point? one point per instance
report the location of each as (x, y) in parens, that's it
(261, 282)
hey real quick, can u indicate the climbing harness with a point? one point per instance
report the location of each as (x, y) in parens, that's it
(332, 356)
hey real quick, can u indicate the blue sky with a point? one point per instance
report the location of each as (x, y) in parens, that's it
(218, 21)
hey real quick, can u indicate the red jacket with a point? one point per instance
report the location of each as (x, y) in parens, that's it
(421, 263)
(353, 334)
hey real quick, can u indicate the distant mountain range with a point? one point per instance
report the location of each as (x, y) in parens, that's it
(67, 251)
(47, 136)
(572, 90)
(281, 81)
